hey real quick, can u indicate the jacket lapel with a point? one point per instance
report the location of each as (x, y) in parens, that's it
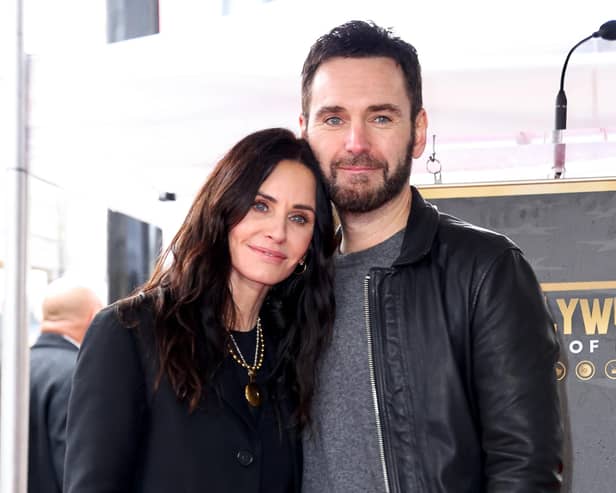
(420, 230)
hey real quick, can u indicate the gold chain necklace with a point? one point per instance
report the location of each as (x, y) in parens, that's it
(251, 390)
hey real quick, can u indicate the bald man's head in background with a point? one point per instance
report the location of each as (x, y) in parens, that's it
(68, 309)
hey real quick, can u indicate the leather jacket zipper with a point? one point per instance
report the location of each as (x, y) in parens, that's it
(375, 401)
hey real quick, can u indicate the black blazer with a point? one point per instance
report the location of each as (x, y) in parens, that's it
(125, 437)
(52, 361)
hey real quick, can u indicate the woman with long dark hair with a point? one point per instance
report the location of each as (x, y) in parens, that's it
(203, 380)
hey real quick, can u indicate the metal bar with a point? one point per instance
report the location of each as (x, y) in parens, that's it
(14, 397)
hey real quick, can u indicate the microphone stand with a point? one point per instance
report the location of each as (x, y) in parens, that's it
(560, 123)
(607, 31)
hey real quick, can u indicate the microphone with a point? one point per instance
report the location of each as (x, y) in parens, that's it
(606, 31)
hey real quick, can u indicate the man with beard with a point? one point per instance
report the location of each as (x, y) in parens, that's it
(440, 376)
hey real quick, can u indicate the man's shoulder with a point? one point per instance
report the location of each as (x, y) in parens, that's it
(467, 238)
(432, 232)
(53, 341)
(52, 362)
(53, 351)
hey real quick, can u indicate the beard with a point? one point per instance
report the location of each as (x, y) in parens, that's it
(359, 196)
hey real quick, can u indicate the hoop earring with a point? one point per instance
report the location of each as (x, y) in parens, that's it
(302, 265)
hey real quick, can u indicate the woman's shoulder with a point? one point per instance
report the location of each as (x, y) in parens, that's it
(125, 321)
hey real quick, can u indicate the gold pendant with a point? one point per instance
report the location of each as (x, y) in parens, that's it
(252, 394)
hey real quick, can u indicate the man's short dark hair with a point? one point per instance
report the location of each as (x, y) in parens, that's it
(360, 39)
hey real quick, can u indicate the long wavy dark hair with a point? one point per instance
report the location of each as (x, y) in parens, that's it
(189, 291)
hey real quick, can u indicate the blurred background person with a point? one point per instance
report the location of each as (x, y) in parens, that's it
(67, 310)
(204, 379)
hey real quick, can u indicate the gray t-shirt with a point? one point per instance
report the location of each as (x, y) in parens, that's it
(341, 452)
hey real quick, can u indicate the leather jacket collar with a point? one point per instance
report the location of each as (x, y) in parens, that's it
(420, 230)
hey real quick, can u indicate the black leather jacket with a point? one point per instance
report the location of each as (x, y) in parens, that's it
(462, 355)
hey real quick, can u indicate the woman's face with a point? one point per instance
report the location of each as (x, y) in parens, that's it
(267, 244)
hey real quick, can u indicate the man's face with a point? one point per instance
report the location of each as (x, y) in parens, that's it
(359, 127)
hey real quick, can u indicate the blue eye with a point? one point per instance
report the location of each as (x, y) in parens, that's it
(260, 206)
(334, 121)
(382, 119)
(299, 219)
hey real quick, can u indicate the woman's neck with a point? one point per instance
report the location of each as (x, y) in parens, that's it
(247, 300)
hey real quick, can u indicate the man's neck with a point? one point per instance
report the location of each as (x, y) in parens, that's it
(65, 327)
(361, 231)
